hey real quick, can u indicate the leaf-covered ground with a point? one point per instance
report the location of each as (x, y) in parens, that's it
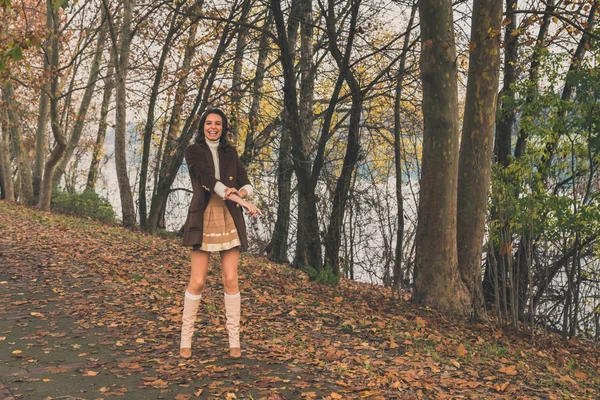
(89, 311)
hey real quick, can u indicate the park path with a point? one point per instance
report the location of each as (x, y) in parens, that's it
(91, 311)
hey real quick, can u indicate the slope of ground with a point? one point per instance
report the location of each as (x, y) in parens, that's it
(89, 311)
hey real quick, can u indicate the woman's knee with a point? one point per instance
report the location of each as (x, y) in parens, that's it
(197, 284)
(230, 280)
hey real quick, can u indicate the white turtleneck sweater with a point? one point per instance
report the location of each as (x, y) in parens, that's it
(219, 188)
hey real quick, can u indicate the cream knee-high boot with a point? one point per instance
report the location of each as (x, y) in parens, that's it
(232, 312)
(191, 303)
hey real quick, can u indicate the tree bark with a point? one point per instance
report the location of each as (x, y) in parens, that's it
(109, 85)
(351, 157)
(308, 234)
(308, 247)
(85, 101)
(285, 169)
(236, 81)
(8, 190)
(476, 147)
(505, 123)
(257, 89)
(507, 115)
(534, 72)
(122, 54)
(437, 278)
(149, 127)
(59, 137)
(25, 185)
(40, 134)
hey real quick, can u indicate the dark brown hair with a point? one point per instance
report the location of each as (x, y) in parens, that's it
(223, 141)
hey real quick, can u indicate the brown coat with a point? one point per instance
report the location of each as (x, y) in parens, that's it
(202, 173)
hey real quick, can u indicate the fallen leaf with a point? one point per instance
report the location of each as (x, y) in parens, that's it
(510, 370)
(90, 373)
(47, 380)
(182, 396)
(579, 374)
(501, 387)
(461, 350)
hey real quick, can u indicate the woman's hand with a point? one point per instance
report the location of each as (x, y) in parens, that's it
(229, 191)
(251, 209)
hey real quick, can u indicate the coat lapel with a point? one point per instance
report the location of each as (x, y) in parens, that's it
(223, 163)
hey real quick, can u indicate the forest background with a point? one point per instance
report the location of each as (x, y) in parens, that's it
(447, 147)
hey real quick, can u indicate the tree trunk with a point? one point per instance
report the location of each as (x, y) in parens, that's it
(109, 85)
(122, 64)
(259, 78)
(308, 246)
(59, 137)
(85, 101)
(40, 134)
(340, 196)
(236, 81)
(285, 169)
(8, 190)
(534, 72)
(507, 117)
(149, 127)
(437, 278)
(476, 147)
(25, 184)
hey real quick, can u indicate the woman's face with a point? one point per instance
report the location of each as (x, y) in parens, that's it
(213, 127)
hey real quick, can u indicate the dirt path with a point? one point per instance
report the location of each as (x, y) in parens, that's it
(89, 311)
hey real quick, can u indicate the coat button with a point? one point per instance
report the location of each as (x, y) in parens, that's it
(237, 205)
(231, 178)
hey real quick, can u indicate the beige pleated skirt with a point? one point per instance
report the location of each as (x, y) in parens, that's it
(219, 232)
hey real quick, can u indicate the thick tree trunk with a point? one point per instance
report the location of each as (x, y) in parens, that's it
(476, 148)
(85, 101)
(109, 85)
(149, 127)
(22, 159)
(60, 142)
(122, 64)
(437, 278)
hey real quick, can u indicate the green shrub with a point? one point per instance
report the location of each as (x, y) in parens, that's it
(85, 204)
(325, 275)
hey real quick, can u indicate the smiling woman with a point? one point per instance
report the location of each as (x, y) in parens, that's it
(215, 222)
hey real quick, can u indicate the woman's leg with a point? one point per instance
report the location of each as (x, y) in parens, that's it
(192, 299)
(229, 261)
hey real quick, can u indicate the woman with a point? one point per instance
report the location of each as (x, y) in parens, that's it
(215, 222)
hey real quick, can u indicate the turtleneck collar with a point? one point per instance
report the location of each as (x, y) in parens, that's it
(213, 144)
